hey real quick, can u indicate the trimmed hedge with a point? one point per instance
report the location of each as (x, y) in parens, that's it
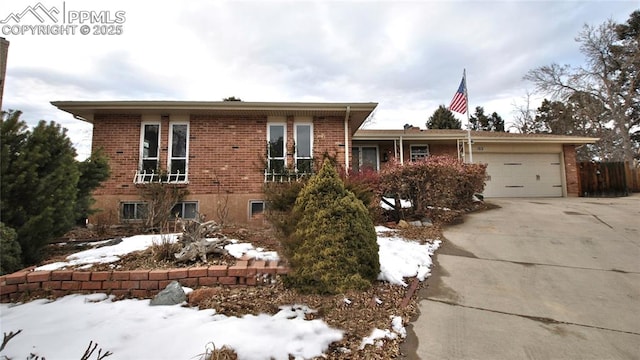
(434, 182)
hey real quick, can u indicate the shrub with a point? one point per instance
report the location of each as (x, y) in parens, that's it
(366, 186)
(334, 246)
(160, 199)
(280, 198)
(10, 251)
(164, 249)
(435, 182)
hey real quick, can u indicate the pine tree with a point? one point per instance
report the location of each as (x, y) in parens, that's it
(478, 121)
(10, 259)
(443, 118)
(335, 245)
(93, 171)
(496, 122)
(481, 122)
(39, 181)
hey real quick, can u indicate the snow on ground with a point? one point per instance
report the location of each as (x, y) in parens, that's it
(400, 258)
(131, 329)
(110, 254)
(238, 249)
(378, 335)
(403, 203)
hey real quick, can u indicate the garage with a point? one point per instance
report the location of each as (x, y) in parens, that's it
(522, 175)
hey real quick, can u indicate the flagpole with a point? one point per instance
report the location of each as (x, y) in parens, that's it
(466, 95)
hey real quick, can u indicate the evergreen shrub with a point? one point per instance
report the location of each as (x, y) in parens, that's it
(334, 246)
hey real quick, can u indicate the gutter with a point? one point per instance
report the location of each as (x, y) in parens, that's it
(346, 139)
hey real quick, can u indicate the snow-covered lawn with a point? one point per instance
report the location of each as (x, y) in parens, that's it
(131, 329)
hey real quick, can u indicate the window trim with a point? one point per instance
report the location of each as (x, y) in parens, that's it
(360, 147)
(250, 203)
(141, 157)
(418, 145)
(170, 156)
(284, 144)
(295, 139)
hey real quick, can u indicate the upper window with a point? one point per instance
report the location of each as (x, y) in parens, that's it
(364, 158)
(276, 148)
(149, 149)
(178, 152)
(419, 152)
(304, 148)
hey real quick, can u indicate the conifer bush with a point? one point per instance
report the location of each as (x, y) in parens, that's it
(334, 247)
(9, 250)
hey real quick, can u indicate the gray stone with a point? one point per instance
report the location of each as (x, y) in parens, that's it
(426, 222)
(416, 223)
(171, 295)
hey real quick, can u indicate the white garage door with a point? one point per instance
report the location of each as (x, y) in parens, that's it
(522, 175)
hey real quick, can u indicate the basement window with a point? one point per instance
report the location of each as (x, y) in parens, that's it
(256, 209)
(133, 211)
(185, 210)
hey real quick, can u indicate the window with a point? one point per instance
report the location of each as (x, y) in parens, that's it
(133, 211)
(276, 148)
(256, 209)
(150, 139)
(419, 152)
(364, 158)
(304, 148)
(185, 210)
(179, 151)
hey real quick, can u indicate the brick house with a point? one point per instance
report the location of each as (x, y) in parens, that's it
(221, 152)
(224, 152)
(519, 165)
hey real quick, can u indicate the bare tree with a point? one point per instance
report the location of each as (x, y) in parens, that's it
(524, 116)
(609, 76)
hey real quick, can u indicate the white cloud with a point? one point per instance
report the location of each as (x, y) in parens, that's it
(408, 56)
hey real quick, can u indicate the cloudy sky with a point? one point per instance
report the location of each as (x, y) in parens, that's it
(406, 55)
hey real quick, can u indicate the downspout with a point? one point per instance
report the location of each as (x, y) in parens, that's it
(346, 139)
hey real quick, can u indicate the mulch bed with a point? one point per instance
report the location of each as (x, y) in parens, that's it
(357, 316)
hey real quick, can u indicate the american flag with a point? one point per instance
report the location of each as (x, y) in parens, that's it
(459, 101)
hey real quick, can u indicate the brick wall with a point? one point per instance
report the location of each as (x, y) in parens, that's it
(571, 170)
(226, 156)
(329, 137)
(135, 283)
(119, 136)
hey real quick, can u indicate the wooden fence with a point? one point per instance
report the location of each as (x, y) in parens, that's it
(608, 179)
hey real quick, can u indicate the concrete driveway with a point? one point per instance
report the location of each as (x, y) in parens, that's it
(536, 279)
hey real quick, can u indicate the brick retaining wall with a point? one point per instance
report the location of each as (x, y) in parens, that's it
(134, 283)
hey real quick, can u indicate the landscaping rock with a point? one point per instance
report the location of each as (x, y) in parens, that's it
(426, 222)
(403, 224)
(173, 294)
